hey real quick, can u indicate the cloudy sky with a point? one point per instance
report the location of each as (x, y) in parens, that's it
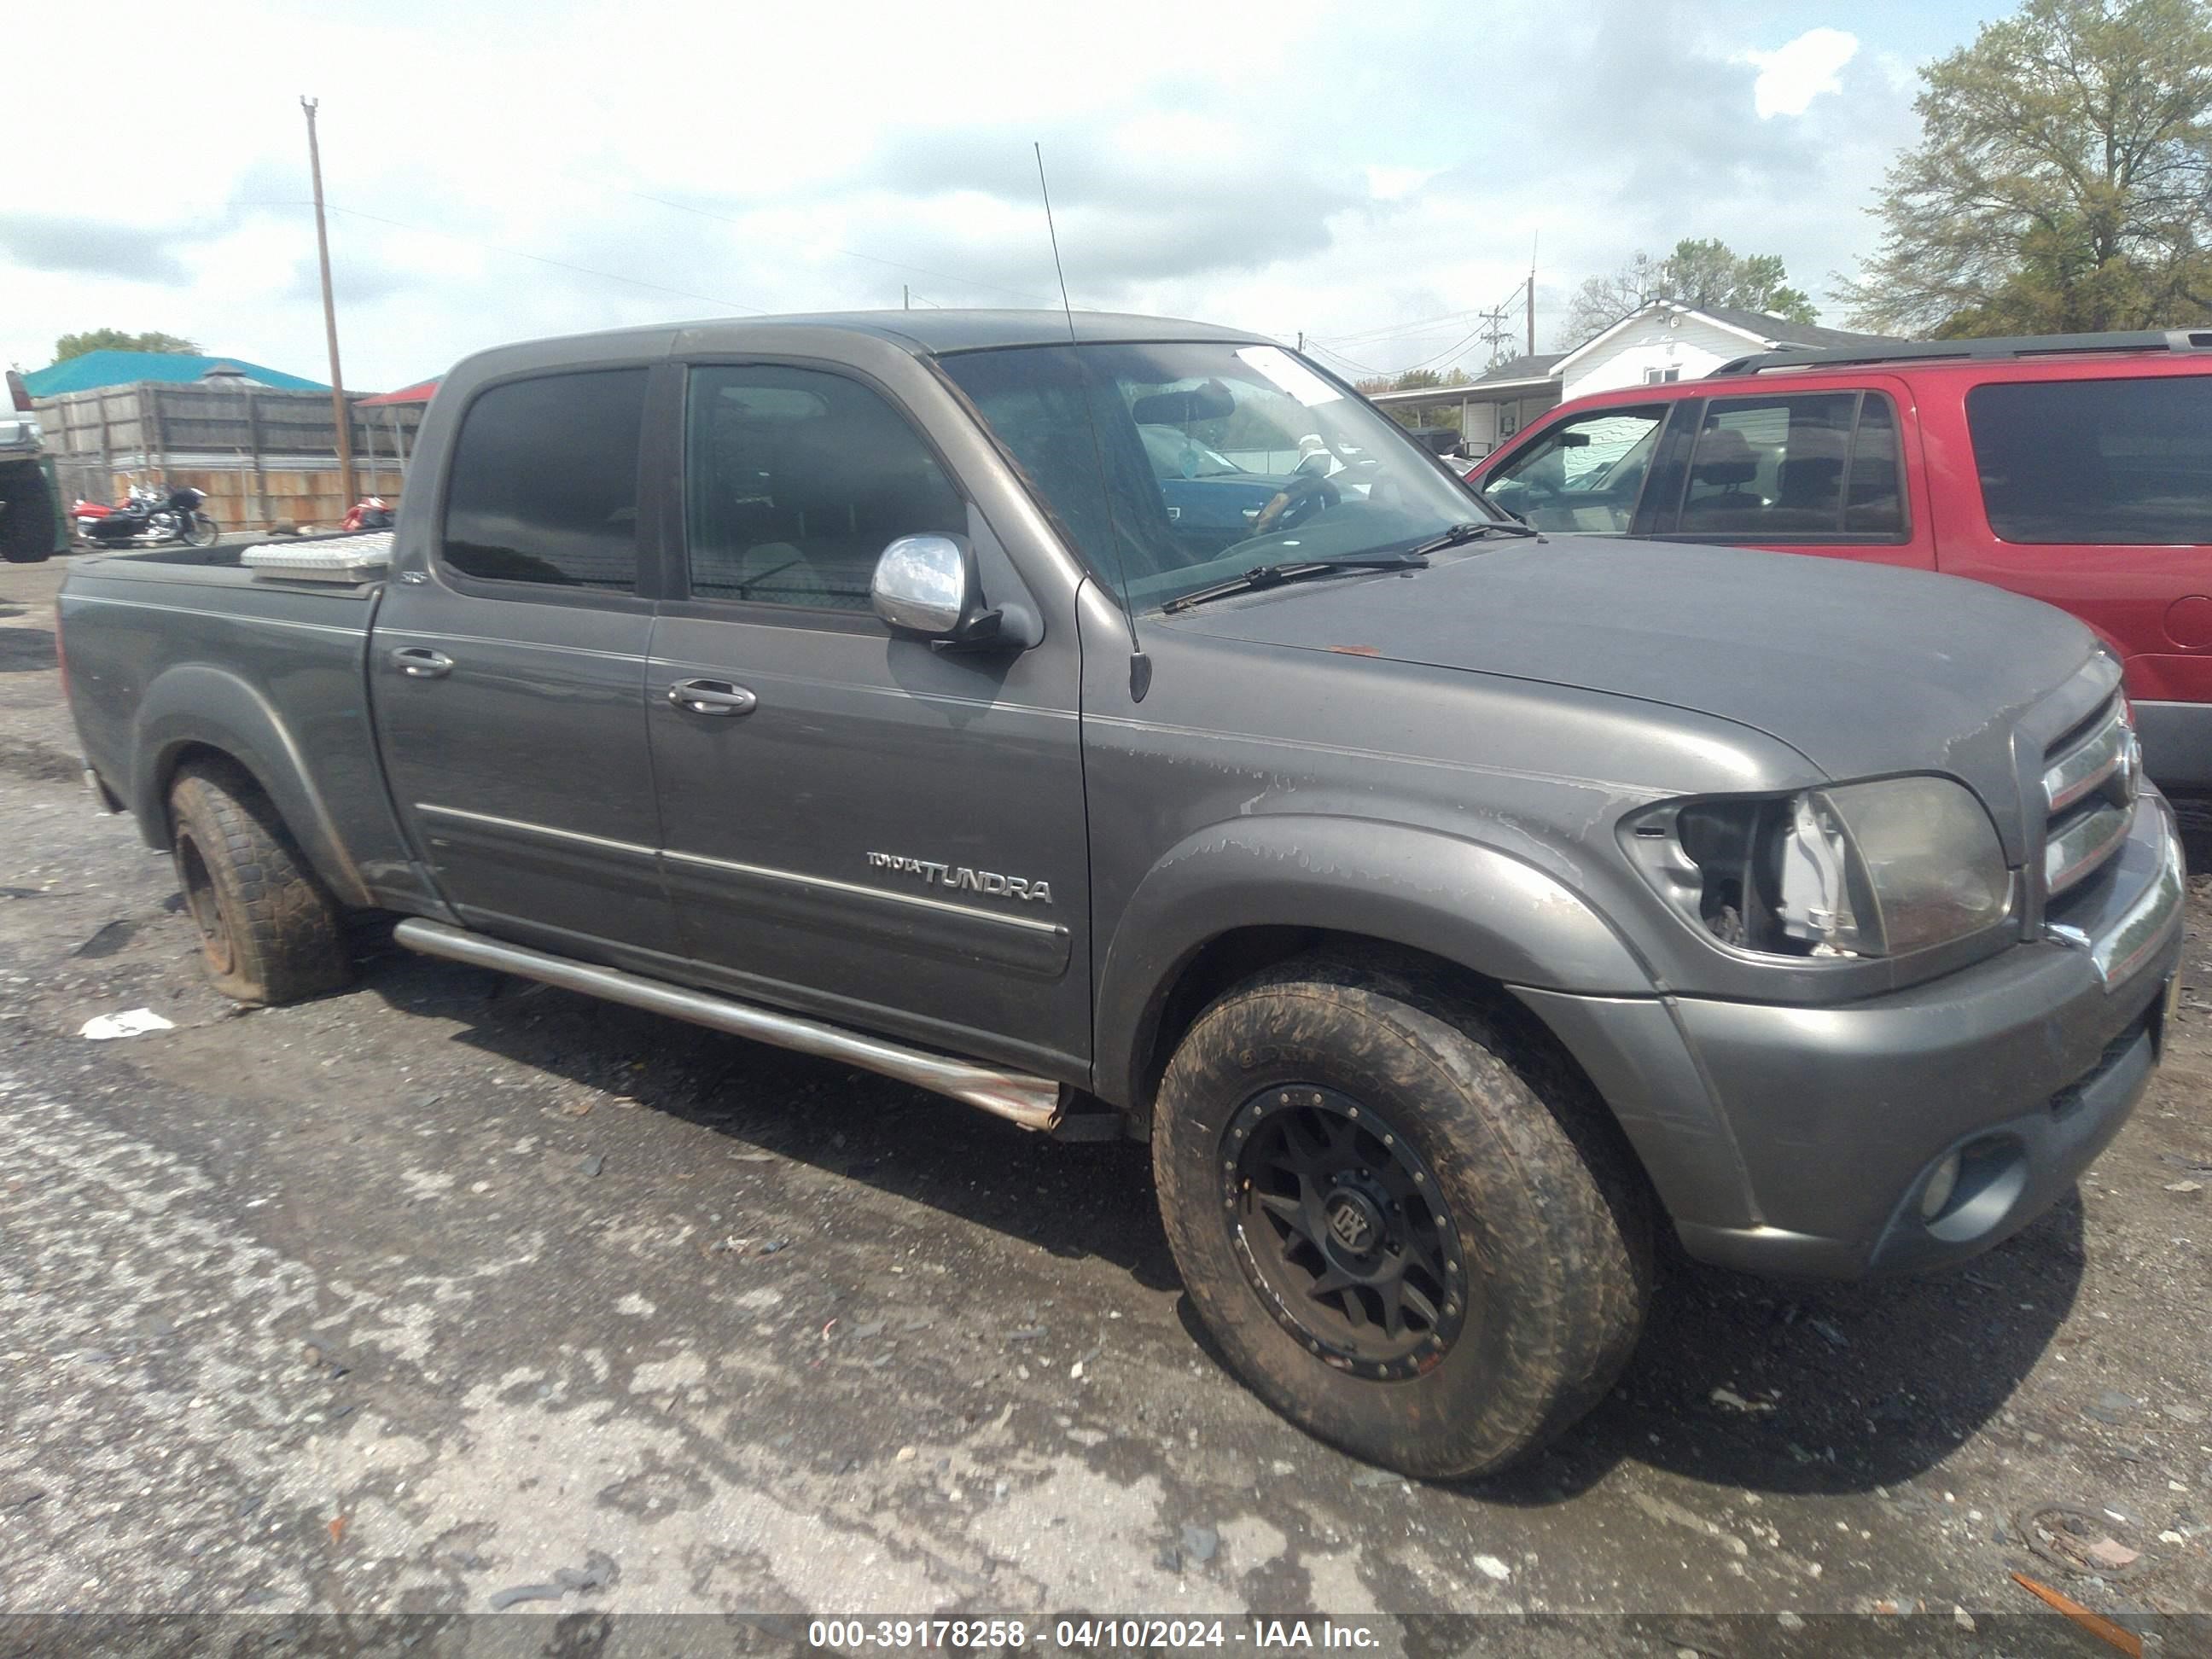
(1369, 175)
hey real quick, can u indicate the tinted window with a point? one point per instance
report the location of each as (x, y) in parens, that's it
(1876, 505)
(2096, 461)
(545, 481)
(1781, 469)
(797, 481)
(1582, 475)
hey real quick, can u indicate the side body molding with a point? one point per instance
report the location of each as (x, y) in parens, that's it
(1469, 903)
(197, 703)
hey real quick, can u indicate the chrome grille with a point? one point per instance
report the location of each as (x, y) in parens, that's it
(2090, 780)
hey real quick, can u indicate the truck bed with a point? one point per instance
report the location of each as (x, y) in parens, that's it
(175, 648)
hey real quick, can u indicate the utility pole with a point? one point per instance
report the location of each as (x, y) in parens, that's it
(906, 297)
(1301, 339)
(1496, 332)
(339, 415)
(1532, 295)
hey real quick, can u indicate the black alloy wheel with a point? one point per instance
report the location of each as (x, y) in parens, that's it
(1344, 1230)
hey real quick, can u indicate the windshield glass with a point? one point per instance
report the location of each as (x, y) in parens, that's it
(1176, 454)
(1208, 460)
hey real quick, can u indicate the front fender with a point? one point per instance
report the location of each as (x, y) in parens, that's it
(196, 704)
(1484, 909)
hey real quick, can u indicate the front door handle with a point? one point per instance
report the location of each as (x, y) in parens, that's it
(419, 662)
(712, 697)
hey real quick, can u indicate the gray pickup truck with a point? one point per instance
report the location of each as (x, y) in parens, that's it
(1445, 902)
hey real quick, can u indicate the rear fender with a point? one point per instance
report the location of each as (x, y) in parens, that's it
(197, 705)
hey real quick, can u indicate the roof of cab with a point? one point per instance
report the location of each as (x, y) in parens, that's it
(931, 332)
(924, 333)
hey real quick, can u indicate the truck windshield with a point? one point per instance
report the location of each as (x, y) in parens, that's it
(1173, 465)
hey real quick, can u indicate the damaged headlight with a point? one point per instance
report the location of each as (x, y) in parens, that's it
(1855, 870)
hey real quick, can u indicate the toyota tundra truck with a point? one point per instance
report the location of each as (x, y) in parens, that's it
(1450, 904)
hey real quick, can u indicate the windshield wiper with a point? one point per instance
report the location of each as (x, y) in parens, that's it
(1274, 575)
(1459, 534)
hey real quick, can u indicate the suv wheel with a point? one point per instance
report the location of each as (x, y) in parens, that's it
(268, 930)
(1413, 1231)
(27, 519)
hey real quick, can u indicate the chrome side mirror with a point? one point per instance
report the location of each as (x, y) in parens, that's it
(925, 585)
(928, 586)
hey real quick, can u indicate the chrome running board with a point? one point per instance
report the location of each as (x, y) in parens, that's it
(1035, 1103)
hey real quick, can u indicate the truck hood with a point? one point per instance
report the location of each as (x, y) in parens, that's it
(1862, 668)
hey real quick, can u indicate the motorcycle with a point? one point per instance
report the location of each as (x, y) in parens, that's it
(369, 512)
(152, 516)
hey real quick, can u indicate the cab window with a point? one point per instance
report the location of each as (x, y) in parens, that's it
(795, 482)
(544, 485)
(1585, 474)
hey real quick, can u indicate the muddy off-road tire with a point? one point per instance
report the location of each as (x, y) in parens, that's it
(268, 930)
(1408, 1221)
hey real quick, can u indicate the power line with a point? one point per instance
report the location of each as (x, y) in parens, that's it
(1389, 329)
(1491, 329)
(534, 258)
(1452, 350)
(1313, 344)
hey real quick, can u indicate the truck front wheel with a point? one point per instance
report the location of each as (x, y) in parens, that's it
(1410, 1227)
(269, 931)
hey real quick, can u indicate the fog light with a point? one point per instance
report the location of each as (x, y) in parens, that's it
(1941, 1185)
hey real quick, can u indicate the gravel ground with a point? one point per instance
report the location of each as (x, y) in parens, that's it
(447, 1288)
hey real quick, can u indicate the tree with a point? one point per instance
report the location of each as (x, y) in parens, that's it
(1417, 380)
(1701, 271)
(2062, 182)
(114, 339)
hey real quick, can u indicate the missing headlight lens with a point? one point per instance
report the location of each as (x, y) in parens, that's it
(1858, 870)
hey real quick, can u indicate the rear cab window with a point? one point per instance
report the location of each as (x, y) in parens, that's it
(542, 490)
(2095, 463)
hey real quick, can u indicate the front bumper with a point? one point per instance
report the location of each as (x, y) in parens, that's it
(1800, 1140)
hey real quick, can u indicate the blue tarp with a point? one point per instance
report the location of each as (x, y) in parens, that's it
(98, 369)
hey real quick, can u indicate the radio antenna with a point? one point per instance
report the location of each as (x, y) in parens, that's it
(1141, 665)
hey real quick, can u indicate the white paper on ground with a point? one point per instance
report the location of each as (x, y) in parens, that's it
(125, 1024)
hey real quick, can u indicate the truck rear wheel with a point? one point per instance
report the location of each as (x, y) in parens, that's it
(1412, 1229)
(268, 930)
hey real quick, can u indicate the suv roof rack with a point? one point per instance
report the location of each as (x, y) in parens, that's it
(2027, 345)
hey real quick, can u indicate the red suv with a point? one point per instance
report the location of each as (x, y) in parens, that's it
(2073, 469)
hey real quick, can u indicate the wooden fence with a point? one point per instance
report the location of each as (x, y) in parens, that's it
(264, 457)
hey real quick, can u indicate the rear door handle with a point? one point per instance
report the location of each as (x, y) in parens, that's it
(712, 697)
(419, 662)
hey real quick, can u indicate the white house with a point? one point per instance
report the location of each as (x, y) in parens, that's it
(1667, 341)
(1659, 342)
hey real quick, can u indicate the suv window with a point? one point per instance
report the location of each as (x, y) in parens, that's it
(1584, 474)
(1783, 468)
(545, 481)
(2101, 462)
(797, 481)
